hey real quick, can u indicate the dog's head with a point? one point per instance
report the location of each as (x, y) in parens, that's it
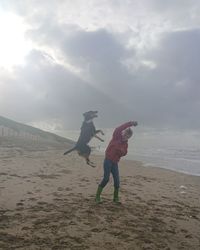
(90, 115)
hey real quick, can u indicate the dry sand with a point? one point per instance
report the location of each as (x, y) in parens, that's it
(47, 202)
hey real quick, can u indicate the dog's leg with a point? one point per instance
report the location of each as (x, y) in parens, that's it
(86, 157)
(90, 163)
(99, 131)
(99, 138)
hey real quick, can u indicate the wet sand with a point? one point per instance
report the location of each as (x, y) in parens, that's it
(47, 202)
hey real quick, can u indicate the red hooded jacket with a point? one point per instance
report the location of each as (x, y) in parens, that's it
(117, 147)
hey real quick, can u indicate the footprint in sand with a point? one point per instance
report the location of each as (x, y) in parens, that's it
(42, 203)
(38, 190)
(84, 180)
(20, 208)
(189, 236)
(50, 176)
(3, 174)
(32, 199)
(97, 230)
(65, 171)
(57, 194)
(26, 228)
(20, 204)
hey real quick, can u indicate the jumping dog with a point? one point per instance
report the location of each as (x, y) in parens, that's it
(88, 131)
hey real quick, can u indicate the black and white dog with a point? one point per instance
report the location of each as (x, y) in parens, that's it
(88, 131)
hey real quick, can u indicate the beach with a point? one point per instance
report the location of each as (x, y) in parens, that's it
(47, 202)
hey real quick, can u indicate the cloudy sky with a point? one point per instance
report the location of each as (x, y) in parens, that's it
(129, 59)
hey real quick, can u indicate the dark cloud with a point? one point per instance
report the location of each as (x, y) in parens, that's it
(174, 84)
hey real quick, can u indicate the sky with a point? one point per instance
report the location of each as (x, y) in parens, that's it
(128, 59)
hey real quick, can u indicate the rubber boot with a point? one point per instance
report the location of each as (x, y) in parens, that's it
(98, 194)
(116, 195)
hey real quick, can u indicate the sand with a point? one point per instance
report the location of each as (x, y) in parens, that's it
(47, 202)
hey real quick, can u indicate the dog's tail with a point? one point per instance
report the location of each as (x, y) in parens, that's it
(70, 150)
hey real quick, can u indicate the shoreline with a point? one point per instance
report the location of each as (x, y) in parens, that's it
(154, 165)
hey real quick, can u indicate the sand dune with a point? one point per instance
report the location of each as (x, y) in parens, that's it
(47, 202)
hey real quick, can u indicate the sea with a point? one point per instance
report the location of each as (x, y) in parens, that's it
(177, 150)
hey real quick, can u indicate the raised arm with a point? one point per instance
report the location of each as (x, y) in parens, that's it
(118, 131)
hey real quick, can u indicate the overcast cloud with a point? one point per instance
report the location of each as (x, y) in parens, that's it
(128, 59)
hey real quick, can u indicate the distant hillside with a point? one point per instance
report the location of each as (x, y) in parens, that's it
(12, 132)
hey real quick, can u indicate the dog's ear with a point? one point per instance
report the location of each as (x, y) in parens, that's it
(85, 114)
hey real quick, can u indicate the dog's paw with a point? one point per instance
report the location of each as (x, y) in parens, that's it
(91, 164)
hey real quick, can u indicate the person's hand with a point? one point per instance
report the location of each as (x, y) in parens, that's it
(135, 123)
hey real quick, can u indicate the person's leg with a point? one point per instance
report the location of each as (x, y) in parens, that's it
(107, 169)
(115, 174)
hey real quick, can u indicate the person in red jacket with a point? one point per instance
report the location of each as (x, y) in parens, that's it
(117, 148)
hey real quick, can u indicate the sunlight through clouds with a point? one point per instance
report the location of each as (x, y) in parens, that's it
(13, 45)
